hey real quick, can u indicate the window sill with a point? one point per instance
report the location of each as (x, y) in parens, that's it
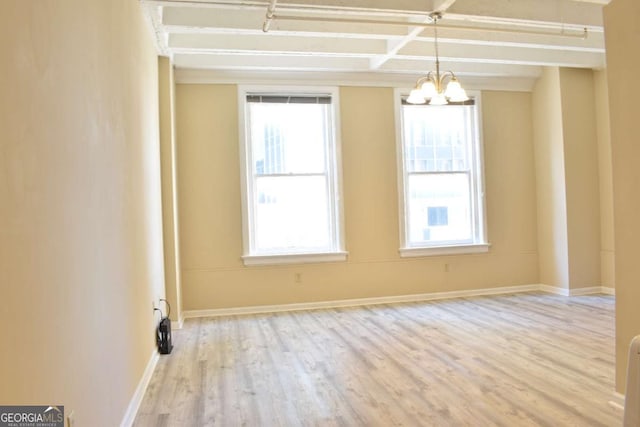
(476, 248)
(310, 258)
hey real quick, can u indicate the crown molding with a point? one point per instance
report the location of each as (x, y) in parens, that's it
(308, 78)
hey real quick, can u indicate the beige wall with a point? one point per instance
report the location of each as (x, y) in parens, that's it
(550, 180)
(607, 267)
(210, 207)
(623, 67)
(173, 279)
(80, 223)
(581, 176)
(568, 193)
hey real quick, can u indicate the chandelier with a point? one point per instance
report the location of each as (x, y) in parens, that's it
(431, 87)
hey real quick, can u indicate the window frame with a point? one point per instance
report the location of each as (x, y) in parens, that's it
(479, 242)
(336, 251)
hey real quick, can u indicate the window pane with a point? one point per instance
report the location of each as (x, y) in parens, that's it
(288, 138)
(436, 138)
(291, 212)
(438, 215)
(439, 208)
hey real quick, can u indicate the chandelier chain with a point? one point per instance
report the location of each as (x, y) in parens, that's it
(435, 32)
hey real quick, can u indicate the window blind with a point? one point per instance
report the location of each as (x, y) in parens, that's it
(286, 99)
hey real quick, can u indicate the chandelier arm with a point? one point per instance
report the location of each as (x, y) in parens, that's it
(424, 79)
(444, 75)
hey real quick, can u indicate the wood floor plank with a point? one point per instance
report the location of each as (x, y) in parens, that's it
(531, 359)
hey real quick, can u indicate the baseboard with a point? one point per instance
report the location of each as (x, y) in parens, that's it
(577, 291)
(617, 400)
(136, 400)
(180, 321)
(585, 291)
(263, 309)
(357, 302)
(554, 290)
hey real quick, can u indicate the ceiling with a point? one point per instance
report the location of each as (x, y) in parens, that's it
(500, 44)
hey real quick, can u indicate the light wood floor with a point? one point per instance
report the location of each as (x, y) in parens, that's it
(511, 360)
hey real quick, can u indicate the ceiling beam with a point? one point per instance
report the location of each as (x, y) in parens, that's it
(581, 12)
(410, 66)
(250, 61)
(504, 54)
(211, 20)
(326, 78)
(394, 46)
(278, 44)
(442, 5)
(337, 44)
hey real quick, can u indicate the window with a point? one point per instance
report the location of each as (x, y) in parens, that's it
(438, 215)
(440, 176)
(291, 187)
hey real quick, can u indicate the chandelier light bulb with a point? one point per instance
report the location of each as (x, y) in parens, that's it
(416, 97)
(439, 99)
(429, 89)
(455, 92)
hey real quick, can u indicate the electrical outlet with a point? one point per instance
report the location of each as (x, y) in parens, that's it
(297, 277)
(71, 419)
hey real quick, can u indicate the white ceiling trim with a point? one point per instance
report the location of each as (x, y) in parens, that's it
(483, 41)
(311, 78)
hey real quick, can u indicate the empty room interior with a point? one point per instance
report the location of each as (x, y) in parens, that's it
(384, 212)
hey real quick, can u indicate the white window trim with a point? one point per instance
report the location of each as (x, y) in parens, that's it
(442, 248)
(445, 250)
(340, 254)
(310, 258)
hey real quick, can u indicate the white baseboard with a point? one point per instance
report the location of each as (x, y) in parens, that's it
(180, 321)
(585, 291)
(554, 290)
(357, 302)
(262, 309)
(577, 291)
(608, 291)
(617, 401)
(138, 395)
